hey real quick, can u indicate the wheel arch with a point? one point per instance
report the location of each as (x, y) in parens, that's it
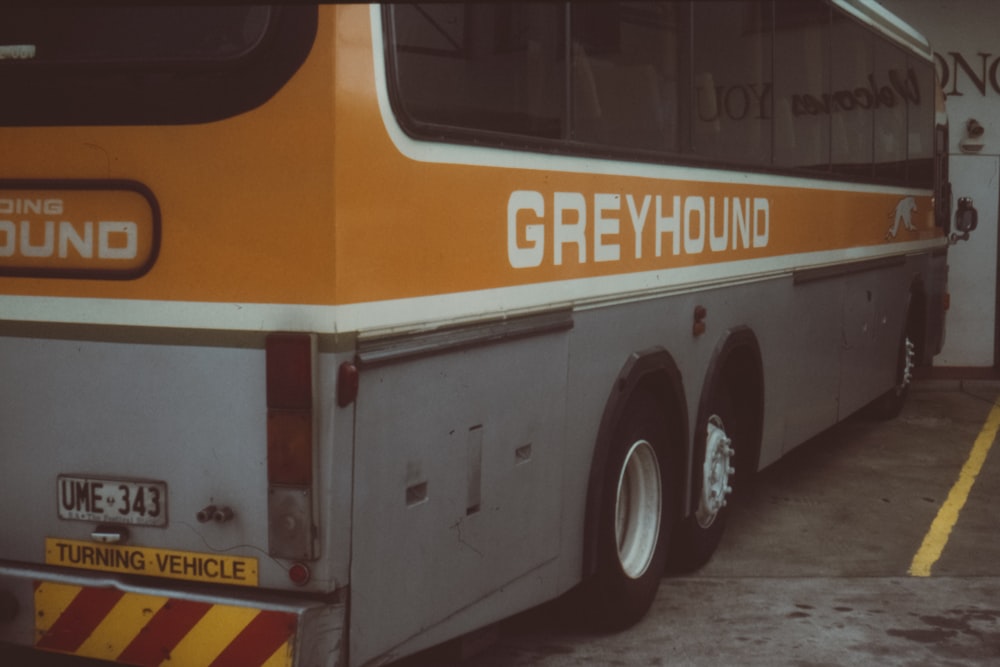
(654, 371)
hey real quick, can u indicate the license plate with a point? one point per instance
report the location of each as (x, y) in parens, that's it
(112, 501)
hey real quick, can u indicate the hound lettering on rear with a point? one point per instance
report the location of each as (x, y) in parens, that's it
(78, 232)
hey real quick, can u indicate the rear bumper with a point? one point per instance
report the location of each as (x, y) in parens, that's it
(103, 617)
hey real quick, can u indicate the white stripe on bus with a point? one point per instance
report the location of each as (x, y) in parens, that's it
(398, 315)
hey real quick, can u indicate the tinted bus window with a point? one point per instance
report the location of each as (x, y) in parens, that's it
(74, 35)
(147, 65)
(851, 100)
(789, 85)
(625, 74)
(920, 124)
(483, 66)
(731, 86)
(894, 90)
(801, 79)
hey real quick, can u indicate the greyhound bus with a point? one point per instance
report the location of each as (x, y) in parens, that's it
(329, 334)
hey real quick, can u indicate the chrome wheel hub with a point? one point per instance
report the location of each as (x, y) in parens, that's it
(638, 509)
(717, 472)
(909, 354)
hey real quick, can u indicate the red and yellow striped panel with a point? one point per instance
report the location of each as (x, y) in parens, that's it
(137, 629)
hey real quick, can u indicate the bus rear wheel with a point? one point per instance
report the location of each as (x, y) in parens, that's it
(713, 478)
(638, 507)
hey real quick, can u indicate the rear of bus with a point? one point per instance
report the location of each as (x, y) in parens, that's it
(166, 240)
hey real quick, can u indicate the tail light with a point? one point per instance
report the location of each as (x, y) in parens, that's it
(291, 375)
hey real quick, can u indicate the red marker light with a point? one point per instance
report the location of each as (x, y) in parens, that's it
(289, 371)
(347, 384)
(299, 574)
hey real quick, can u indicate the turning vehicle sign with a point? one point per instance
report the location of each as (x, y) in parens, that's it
(128, 502)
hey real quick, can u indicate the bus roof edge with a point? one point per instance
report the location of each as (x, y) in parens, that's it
(876, 15)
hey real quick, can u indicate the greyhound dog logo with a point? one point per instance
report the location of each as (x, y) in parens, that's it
(903, 213)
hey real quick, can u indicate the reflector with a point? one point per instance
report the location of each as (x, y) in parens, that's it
(299, 574)
(289, 447)
(289, 371)
(347, 384)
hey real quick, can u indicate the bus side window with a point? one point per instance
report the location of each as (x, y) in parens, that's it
(801, 82)
(920, 120)
(625, 74)
(890, 116)
(494, 67)
(853, 115)
(731, 97)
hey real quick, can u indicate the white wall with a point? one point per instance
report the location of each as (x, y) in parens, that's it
(966, 39)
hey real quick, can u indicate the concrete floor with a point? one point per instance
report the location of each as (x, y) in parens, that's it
(813, 568)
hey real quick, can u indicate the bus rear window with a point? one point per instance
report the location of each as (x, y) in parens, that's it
(130, 34)
(147, 65)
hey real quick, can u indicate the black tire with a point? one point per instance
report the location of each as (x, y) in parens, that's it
(721, 437)
(632, 544)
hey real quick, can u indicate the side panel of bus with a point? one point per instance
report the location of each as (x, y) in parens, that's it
(461, 452)
(482, 493)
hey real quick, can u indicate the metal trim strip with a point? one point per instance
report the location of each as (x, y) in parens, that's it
(388, 349)
(803, 276)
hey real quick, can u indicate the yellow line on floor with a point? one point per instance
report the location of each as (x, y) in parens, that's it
(947, 516)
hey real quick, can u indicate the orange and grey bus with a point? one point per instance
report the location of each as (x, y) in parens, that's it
(329, 334)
